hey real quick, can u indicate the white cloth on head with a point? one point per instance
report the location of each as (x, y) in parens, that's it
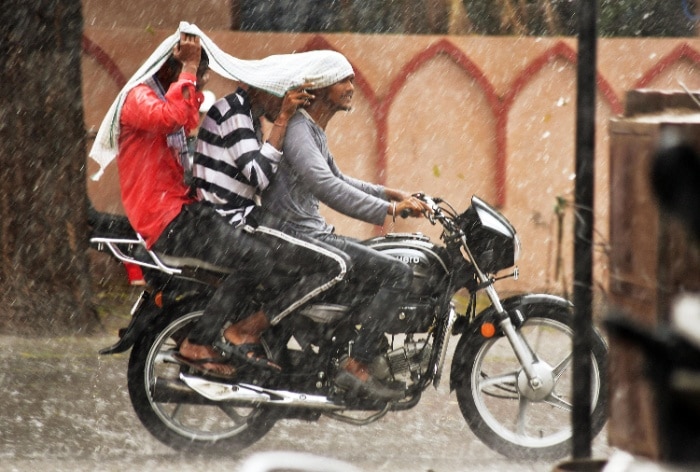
(274, 74)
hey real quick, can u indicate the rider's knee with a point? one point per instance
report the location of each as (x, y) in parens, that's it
(340, 264)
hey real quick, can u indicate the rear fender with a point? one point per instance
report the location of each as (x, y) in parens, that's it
(146, 314)
(142, 315)
(489, 315)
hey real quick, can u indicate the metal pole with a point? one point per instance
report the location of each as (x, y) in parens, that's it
(583, 227)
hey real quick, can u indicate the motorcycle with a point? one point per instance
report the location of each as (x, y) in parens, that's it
(511, 368)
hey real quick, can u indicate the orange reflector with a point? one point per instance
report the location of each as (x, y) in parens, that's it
(488, 330)
(158, 299)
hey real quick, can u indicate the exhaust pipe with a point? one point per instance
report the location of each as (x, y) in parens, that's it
(174, 391)
(252, 394)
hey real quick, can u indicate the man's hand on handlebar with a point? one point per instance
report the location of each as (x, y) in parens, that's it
(412, 206)
(405, 204)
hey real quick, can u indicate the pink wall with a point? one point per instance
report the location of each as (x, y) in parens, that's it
(448, 115)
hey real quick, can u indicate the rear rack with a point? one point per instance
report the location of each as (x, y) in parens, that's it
(113, 244)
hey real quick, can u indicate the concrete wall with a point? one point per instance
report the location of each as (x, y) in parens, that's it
(167, 14)
(451, 116)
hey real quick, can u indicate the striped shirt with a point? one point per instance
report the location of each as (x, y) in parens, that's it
(231, 168)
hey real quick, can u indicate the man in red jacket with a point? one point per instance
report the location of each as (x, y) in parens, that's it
(155, 119)
(152, 181)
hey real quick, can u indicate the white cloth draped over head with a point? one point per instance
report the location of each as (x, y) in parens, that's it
(274, 74)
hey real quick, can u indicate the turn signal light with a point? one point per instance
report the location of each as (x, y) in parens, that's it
(488, 330)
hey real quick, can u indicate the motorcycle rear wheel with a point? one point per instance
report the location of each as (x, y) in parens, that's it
(504, 412)
(176, 415)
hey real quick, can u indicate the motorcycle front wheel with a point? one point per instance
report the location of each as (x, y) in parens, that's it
(176, 415)
(500, 405)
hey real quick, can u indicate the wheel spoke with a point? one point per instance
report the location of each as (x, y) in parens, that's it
(557, 401)
(166, 356)
(537, 335)
(522, 410)
(561, 367)
(233, 414)
(176, 411)
(504, 381)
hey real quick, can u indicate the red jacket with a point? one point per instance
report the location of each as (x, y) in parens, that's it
(151, 177)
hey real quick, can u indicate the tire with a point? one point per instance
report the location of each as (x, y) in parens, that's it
(186, 422)
(510, 417)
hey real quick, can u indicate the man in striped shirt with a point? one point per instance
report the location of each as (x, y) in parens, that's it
(232, 166)
(227, 174)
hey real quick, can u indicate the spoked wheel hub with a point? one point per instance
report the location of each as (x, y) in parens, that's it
(542, 384)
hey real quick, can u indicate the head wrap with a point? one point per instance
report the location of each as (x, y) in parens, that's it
(322, 68)
(273, 74)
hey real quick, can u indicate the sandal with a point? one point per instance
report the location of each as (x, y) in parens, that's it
(250, 353)
(199, 367)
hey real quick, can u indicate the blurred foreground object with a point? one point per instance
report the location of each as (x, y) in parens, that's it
(671, 356)
(654, 324)
(294, 461)
(675, 178)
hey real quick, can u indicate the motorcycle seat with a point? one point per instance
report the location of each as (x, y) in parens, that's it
(184, 262)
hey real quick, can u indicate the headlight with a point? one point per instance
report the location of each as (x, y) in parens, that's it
(490, 220)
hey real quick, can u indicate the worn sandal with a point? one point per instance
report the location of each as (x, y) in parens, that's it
(198, 365)
(250, 353)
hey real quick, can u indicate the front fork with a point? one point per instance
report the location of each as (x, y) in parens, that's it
(451, 318)
(522, 351)
(525, 355)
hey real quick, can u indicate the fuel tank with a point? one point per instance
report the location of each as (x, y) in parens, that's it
(430, 266)
(429, 262)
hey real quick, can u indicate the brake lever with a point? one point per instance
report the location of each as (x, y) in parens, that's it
(434, 207)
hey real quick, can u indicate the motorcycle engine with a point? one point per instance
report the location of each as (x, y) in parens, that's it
(409, 360)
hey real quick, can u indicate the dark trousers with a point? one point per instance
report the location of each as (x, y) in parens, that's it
(257, 258)
(383, 284)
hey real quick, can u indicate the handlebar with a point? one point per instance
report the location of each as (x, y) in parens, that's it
(405, 213)
(432, 203)
(437, 213)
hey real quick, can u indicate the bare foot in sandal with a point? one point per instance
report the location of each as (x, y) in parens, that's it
(203, 358)
(242, 341)
(247, 330)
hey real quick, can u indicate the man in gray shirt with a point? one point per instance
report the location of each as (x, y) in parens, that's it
(308, 175)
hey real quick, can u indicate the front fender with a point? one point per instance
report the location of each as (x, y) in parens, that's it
(510, 304)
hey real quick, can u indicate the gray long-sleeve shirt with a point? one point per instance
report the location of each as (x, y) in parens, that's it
(308, 175)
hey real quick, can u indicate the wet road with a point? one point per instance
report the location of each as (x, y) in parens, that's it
(64, 408)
